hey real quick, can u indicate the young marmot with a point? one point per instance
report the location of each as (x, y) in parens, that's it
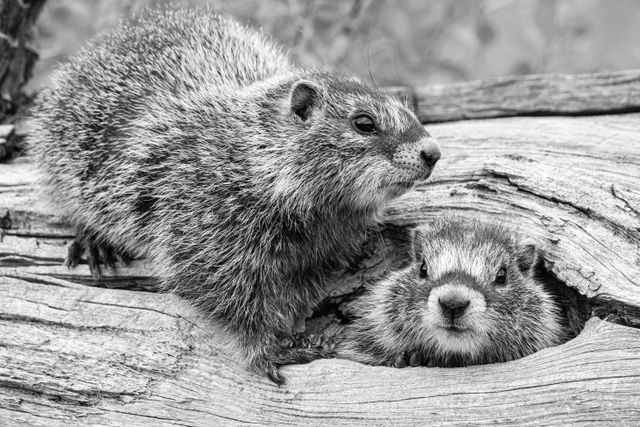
(468, 297)
(192, 140)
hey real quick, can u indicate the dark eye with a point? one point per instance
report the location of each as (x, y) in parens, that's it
(501, 277)
(364, 124)
(423, 270)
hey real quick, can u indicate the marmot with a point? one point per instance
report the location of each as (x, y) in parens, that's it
(188, 138)
(469, 296)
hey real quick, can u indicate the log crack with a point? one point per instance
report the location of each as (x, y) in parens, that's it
(508, 177)
(70, 396)
(615, 194)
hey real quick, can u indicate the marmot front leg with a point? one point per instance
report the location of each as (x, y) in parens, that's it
(96, 251)
(266, 350)
(289, 350)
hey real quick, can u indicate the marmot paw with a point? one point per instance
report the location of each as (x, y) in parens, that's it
(408, 358)
(294, 349)
(97, 254)
(298, 340)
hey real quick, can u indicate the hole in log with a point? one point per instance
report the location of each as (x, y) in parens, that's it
(616, 313)
(576, 308)
(387, 249)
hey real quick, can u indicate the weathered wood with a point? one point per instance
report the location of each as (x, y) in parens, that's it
(75, 351)
(72, 354)
(571, 183)
(604, 93)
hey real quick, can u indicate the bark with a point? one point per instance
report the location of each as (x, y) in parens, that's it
(17, 59)
(76, 351)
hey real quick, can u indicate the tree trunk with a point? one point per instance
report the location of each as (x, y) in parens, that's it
(79, 351)
(16, 62)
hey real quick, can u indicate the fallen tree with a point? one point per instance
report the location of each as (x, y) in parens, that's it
(76, 351)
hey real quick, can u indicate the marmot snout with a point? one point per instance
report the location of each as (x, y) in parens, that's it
(468, 297)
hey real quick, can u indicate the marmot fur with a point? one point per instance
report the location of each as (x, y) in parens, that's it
(468, 297)
(190, 139)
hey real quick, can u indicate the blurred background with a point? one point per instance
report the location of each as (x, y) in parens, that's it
(412, 42)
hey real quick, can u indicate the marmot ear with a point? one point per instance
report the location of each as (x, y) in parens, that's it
(528, 255)
(417, 237)
(305, 99)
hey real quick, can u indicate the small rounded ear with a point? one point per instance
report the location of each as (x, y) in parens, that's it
(527, 255)
(418, 235)
(305, 99)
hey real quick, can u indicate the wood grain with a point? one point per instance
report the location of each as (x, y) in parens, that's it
(572, 184)
(549, 95)
(87, 356)
(74, 351)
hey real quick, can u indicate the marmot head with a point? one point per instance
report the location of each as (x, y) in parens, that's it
(481, 300)
(468, 297)
(343, 144)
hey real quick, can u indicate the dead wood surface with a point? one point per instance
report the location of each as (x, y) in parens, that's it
(73, 354)
(544, 94)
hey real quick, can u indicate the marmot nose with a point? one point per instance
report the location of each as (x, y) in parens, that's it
(453, 306)
(429, 152)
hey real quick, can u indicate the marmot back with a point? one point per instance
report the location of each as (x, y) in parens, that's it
(190, 139)
(468, 297)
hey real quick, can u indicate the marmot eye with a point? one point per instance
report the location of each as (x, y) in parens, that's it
(364, 124)
(501, 277)
(423, 270)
